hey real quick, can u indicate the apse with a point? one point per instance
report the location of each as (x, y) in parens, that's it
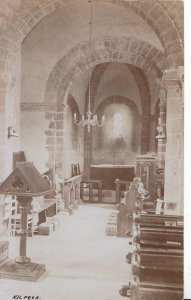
(119, 140)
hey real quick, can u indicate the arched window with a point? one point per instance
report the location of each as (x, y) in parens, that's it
(117, 125)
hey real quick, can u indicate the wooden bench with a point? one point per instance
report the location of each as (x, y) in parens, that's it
(156, 258)
(162, 235)
(154, 291)
(158, 267)
(158, 220)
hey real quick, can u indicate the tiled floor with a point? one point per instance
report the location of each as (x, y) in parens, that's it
(82, 262)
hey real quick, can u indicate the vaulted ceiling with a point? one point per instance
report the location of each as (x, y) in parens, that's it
(19, 17)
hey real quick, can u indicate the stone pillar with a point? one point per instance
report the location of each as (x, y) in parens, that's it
(173, 193)
(55, 141)
(66, 166)
(87, 152)
(145, 133)
(2, 126)
(152, 141)
(60, 120)
(50, 140)
(161, 128)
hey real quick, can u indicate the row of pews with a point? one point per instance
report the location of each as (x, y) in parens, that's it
(156, 259)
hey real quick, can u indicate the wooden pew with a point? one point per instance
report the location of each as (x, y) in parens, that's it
(161, 268)
(151, 227)
(137, 290)
(156, 258)
(158, 220)
(162, 236)
(139, 249)
(154, 291)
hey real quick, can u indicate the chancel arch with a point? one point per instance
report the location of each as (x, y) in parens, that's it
(61, 63)
(164, 17)
(108, 49)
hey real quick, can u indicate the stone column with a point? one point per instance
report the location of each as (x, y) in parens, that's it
(60, 120)
(145, 133)
(66, 167)
(161, 128)
(87, 152)
(54, 141)
(152, 141)
(2, 126)
(173, 193)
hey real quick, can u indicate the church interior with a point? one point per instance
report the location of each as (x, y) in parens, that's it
(91, 149)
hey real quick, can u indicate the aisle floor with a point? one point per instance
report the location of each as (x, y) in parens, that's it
(82, 263)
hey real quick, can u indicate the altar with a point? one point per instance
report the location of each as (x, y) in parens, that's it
(108, 173)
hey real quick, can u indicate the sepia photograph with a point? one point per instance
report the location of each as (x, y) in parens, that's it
(92, 150)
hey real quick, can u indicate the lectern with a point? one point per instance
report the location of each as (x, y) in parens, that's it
(24, 182)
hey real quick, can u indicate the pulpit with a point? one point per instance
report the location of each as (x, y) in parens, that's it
(25, 182)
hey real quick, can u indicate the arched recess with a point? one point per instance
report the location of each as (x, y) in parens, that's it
(131, 104)
(145, 103)
(78, 60)
(114, 149)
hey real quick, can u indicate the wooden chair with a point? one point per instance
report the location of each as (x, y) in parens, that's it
(15, 220)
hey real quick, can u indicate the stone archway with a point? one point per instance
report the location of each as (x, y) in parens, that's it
(19, 18)
(108, 49)
(77, 61)
(145, 101)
